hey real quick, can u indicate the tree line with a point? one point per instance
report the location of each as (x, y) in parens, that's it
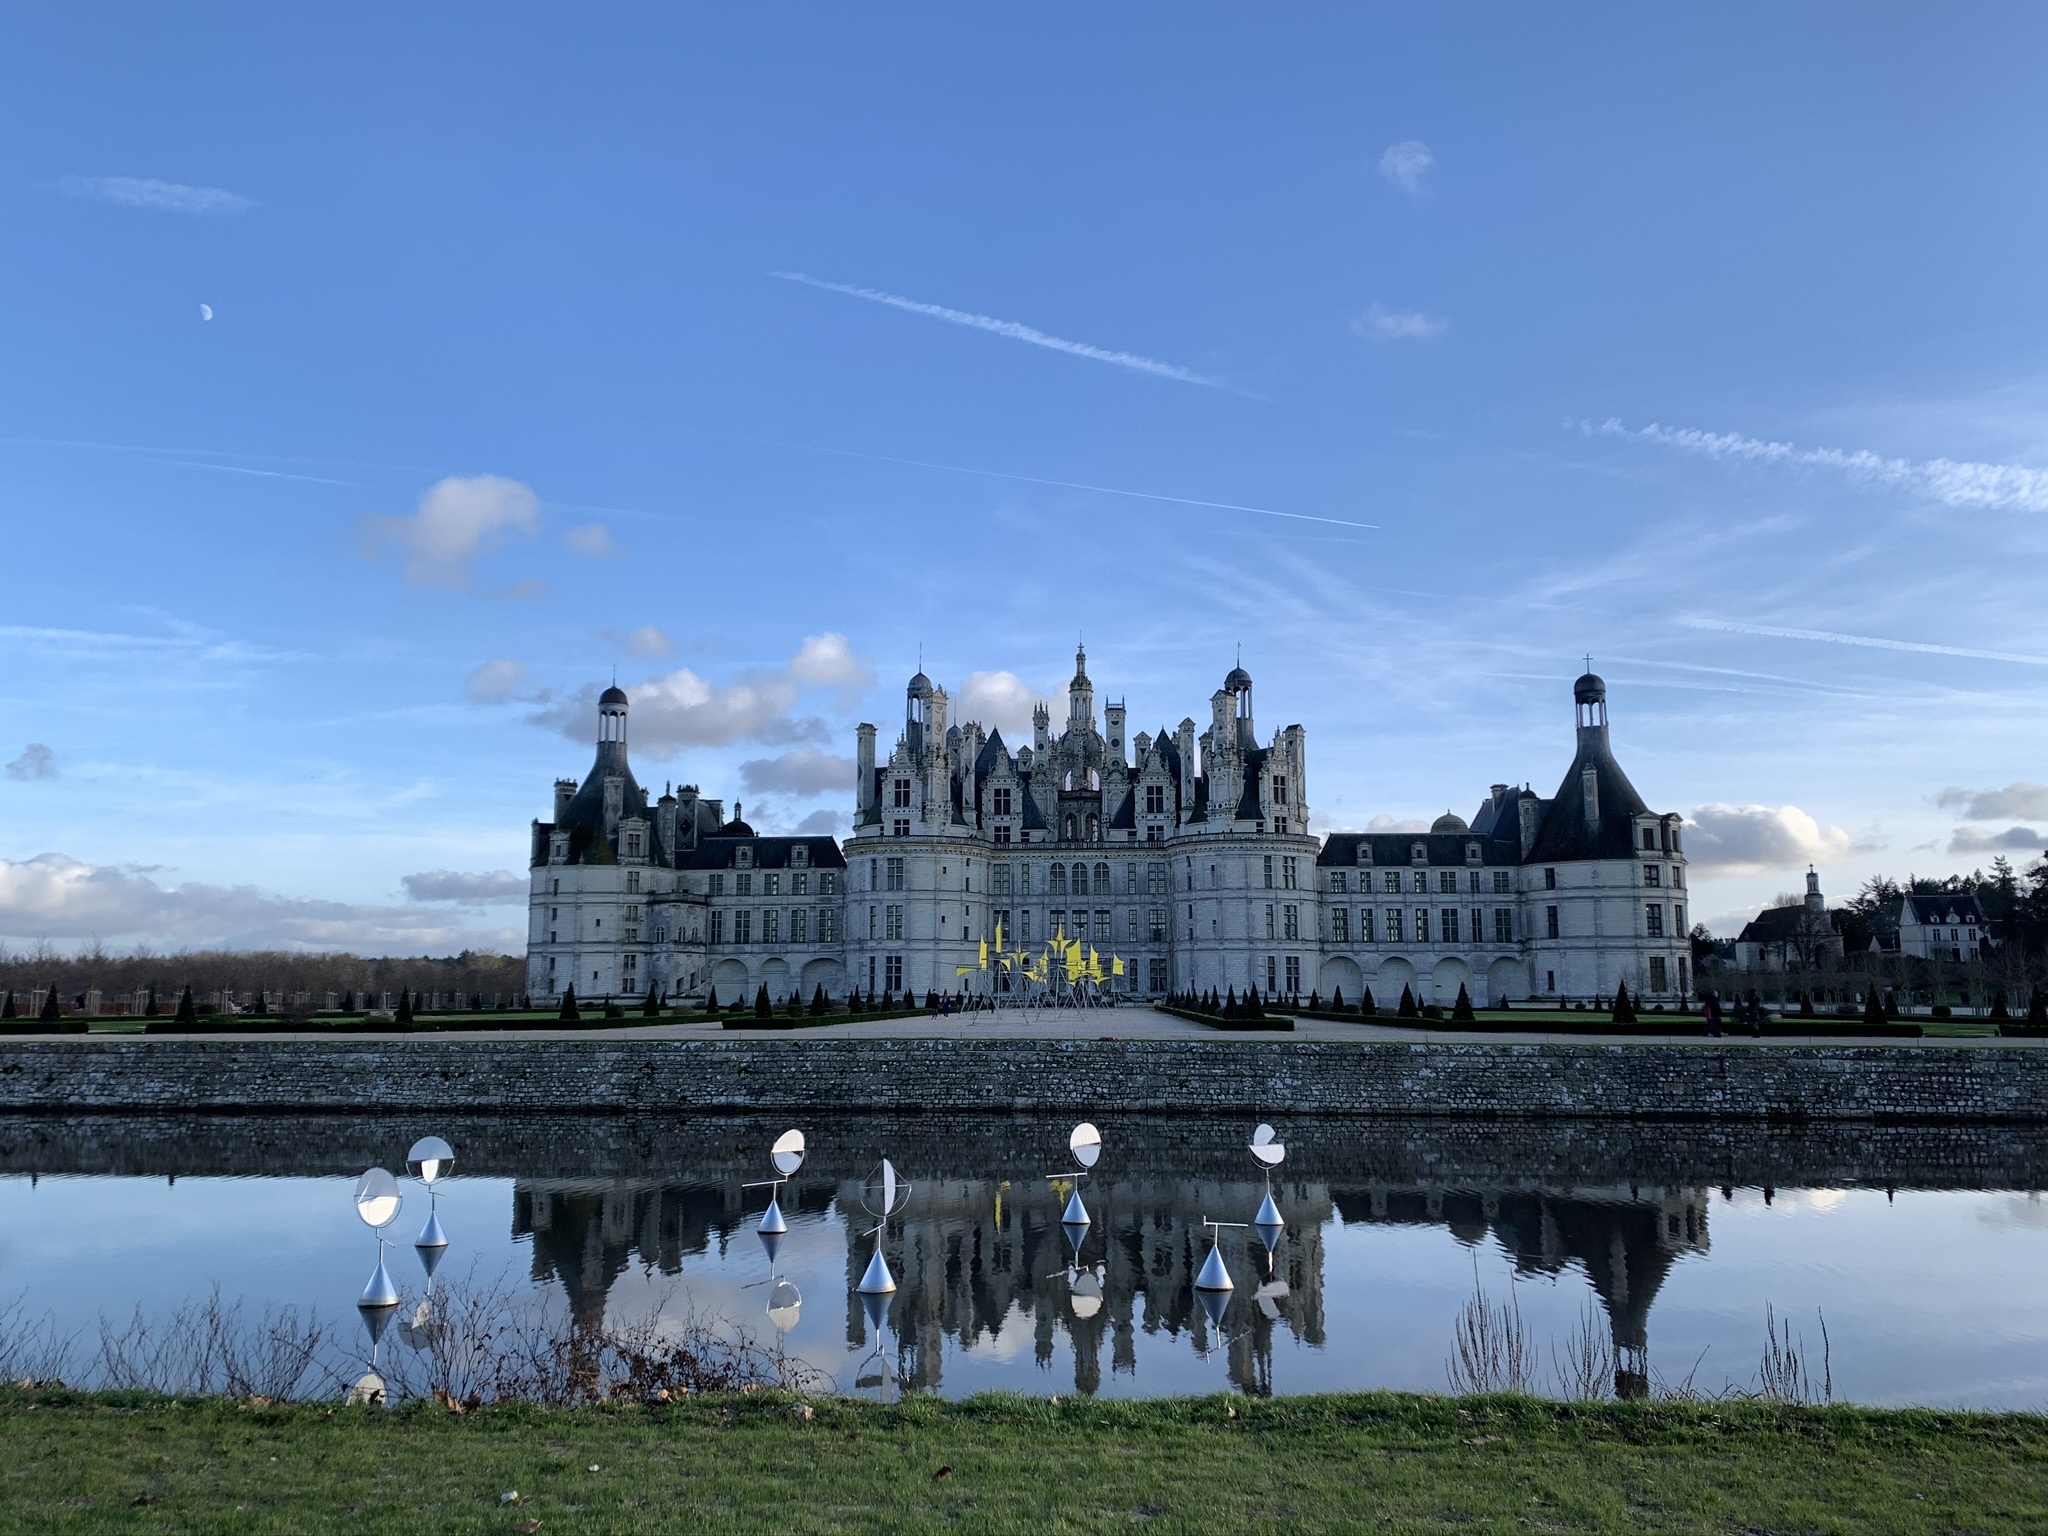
(246, 973)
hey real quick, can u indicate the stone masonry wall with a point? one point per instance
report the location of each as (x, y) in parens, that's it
(1266, 1077)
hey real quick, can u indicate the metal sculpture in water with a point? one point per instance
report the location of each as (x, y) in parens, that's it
(430, 1161)
(884, 1194)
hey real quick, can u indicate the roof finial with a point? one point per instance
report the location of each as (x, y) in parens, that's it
(1589, 661)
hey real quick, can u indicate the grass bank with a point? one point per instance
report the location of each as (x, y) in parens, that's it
(92, 1463)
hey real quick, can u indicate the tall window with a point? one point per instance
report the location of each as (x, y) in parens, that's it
(743, 926)
(1500, 882)
(1290, 921)
(1290, 873)
(999, 880)
(1155, 799)
(799, 925)
(1279, 789)
(1338, 880)
(1422, 925)
(1653, 919)
(1550, 879)
(895, 874)
(1390, 881)
(1058, 885)
(1102, 886)
(1365, 925)
(1155, 879)
(771, 885)
(828, 884)
(1058, 920)
(743, 884)
(1294, 973)
(1102, 925)
(901, 795)
(717, 885)
(892, 920)
(771, 926)
(1340, 925)
(1023, 879)
(1394, 928)
(1448, 921)
(1272, 981)
(1652, 875)
(1447, 880)
(1657, 973)
(1000, 800)
(1269, 871)
(1503, 925)
(718, 928)
(1024, 926)
(1678, 920)
(1269, 920)
(892, 973)
(873, 913)
(1155, 925)
(632, 881)
(799, 885)
(1131, 878)
(1550, 922)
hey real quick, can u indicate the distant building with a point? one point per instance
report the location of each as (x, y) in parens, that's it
(1790, 938)
(1185, 855)
(1946, 926)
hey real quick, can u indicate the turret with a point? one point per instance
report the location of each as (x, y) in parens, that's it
(1113, 726)
(1080, 694)
(1589, 706)
(565, 791)
(611, 729)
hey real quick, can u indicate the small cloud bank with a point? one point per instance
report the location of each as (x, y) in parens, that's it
(1406, 163)
(460, 519)
(1757, 839)
(36, 762)
(802, 773)
(1001, 701)
(821, 824)
(2011, 840)
(497, 889)
(495, 682)
(1382, 323)
(2019, 799)
(681, 709)
(644, 641)
(163, 196)
(55, 896)
(591, 541)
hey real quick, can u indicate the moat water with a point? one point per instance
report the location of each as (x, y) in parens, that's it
(1923, 1249)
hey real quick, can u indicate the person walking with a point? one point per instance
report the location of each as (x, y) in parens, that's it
(1710, 1010)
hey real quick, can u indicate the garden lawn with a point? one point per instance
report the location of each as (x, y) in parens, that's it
(75, 1462)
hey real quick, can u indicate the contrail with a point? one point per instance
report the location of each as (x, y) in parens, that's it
(1952, 482)
(1015, 330)
(1778, 632)
(1076, 485)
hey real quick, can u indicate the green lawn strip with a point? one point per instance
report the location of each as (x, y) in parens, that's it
(83, 1463)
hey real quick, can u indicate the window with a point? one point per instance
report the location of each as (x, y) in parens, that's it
(1365, 925)
(894, 872)
(1340, 925)
(1422, 925)
(743, 926)
(828, 884)
(1338, 881)
(1678, 874)
(1156, 973)
(743, 857)
(1102, 925)
(873, 914)
(1394, 929)
(1279, 789)
(1678, 920)
(1290, 873)
(553, 913)
(771, 926)
(892, 973)
(1290, 921)
(718, 928)
(901, 796)
(1500, 882)
(900, 829)
(1550, 922)
(799, 925)
(1652, 875)
(1272, 982)
(1269, 871)
(1269, 920)
(1503, 925)
(1155, 799)
(1478, 926)
(1154, 834)
(1471, 853)
(632, 881)
(1003, 836)
(1058, 920)
(999, 879)
(771, 885)
(1155, 879)
(1657, 973)
(1653, 919)
(1649, 837)
(1294, 973)
(1133, 924)
(999, 800)
(1418, 854)
(1447, 881)
(1024, 926)
(1550, 879)
(743, 884)
(718, 885)
(1131, 879)
(800, 856)
(632, 846)
(1155, 925)
(1023, 879)
(1421, 881)
(1057, 883)
(1390, 882)
(892, 922)
(1447, 924)
(1101, 880)
(874, 874)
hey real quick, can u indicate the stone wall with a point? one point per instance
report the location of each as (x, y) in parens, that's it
(802, 1073)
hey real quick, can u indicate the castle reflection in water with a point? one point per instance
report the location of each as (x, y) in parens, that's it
(976, 1257)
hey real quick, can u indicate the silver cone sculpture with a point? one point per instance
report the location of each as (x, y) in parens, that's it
(1269, 1224)
(1213, 1276)
(1214, 1305)
(877, 1281)
(1076, 1214)
(1077, 1234)
(431, 1235)
(380, 1292)
(771, 1244)
(772, 1219)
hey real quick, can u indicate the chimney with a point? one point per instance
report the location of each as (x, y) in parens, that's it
(1531, 811)
(565, 791)
(864, 771)
(1589, 791)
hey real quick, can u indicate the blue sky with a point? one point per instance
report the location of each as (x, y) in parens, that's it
(1712, 346)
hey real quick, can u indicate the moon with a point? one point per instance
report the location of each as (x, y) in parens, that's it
(206, 311)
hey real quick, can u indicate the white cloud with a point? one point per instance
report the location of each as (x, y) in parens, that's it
(495, 682)
(55, 896)
(593, 541)
(1952, 482)
(821, 824)
(498, 888)
(2011, 840)
(682, 709)
(1398, 324)
(1013, 329)
(2019, 799)
(1390, 824)
(644, 641)
(1000, 701)
(802, 772)
(1759, 839)
(36, 762)
(1406, 163)
(459, 520)
(1873, 642)
(827, 661)
(165, 196)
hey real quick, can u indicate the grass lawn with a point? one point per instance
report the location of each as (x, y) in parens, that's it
(82, 1463)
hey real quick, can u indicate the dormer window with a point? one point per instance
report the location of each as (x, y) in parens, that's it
(1650, 839)
(743, 858)
(1471, 853)
(800, 856)
(901, 795)
(1000, 800)
(1418, 853)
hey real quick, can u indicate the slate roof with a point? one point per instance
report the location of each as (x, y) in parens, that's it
(722, 852)
(1391, 850)
(1946, 909)
(1564, 834)
(1777, 925)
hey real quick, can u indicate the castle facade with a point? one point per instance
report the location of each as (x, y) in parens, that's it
(1186, 856)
